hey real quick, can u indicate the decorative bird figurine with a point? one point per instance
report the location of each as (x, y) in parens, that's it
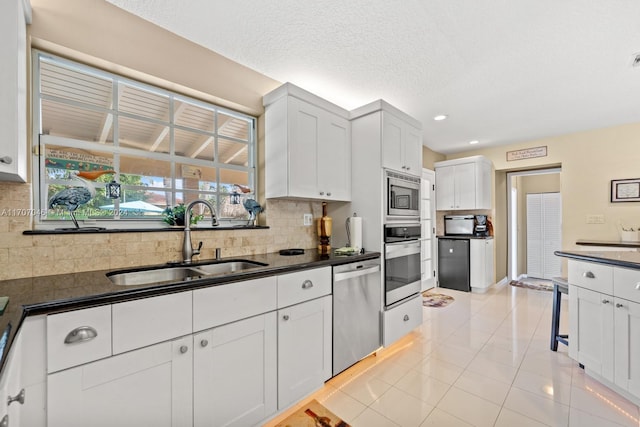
(243, 188)
(73, 197)
(253, 208)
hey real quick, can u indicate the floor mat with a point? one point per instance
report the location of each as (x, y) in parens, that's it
(536, 284)
(432, 299)
(311, 415)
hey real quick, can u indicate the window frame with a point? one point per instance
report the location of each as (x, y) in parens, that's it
(175, 161)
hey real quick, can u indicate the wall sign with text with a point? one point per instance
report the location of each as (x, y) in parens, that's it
(625, 190)
(527, 153)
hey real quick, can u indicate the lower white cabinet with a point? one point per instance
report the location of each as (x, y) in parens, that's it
(234, 368)
(627, 340)
(304, 349)
(401, 319)
(151, 386)
(481, 263)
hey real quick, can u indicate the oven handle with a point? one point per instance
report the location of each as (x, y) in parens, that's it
(395, 250)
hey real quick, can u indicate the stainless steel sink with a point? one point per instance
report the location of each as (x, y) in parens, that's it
(179, 274)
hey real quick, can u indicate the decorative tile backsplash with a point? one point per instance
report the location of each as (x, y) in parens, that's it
(42, 255)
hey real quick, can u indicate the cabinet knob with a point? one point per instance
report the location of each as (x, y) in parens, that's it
(588, 275)
(80, 334)
(285, 317)
(328, 193)
(204, 343)
(17, 398)
(605, 301)
(322, 193)
(6, 160)
(307, 284)
(184, 349)
(618, 305)
(406, 317)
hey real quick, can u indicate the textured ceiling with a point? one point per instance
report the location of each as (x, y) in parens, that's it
(504, 71)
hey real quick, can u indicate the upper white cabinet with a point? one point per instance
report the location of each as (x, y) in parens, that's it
(463, 184)
(14, 17)
(396, 136)
(401, 145)
(307, 146)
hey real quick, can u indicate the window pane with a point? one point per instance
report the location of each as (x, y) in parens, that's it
(189, 177)
(143, 135)
(230, 177)
(233, 127)
(75, 122)
(74, 85)
(193, 116)
(141, 102)
(199, 209)
(233, 153)
(194, 145)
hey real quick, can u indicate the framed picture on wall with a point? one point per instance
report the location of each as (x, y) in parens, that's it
(625, 190)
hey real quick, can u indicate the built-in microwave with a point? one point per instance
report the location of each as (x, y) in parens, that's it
(402, 196)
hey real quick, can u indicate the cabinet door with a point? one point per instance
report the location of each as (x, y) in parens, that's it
(304, 349)
(627, 341)
(412, 153)
(591, 330)
(304, 133)
(477, 263)
(334, 158)
(235, 374)
(465, 186)
(445, 188)
(392, 155)
(147, 387)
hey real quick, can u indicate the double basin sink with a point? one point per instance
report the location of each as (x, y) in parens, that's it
(180, 273)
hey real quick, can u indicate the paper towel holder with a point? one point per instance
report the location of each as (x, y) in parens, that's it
(354, 234)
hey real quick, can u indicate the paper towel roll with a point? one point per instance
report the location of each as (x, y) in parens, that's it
(354, 230)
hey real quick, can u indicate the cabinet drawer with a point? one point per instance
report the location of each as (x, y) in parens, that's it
(222, 304)
(303, 286)
(596, 277)
(151, 320)
(400, 320)
(626, 284)
(78, 337)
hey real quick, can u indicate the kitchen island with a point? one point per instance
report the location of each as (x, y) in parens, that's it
(604, 317)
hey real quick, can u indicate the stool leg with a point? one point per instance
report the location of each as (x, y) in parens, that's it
(555, 319)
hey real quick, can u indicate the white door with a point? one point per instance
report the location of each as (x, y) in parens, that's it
(151, 386)
(427, 219)
(304, 349)
(234, 368)
(544, 235)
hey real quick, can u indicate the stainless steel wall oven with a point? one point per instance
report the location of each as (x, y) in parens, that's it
(402, 262)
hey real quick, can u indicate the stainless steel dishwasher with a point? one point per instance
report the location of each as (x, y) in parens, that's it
(357, 303)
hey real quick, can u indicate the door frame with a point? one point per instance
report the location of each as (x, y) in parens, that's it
(431, 176)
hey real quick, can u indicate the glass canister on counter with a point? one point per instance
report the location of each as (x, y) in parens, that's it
(324, 231)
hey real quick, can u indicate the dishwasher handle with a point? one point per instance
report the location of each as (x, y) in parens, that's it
(337, 277)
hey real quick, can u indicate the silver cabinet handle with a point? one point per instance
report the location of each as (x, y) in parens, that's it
(307, 284)
(406, 317)
(618, 305)
(588, 275)
(5, 421)
(605, 301)
(204, 343)
(6, 160)
(184, 349)
(285, 317)
(17, 398)
(81, 334)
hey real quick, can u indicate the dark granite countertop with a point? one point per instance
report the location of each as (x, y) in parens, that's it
(64, 292)
(610, 243)
(626, 259)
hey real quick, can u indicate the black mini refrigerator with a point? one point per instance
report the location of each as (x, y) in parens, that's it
(453, 264)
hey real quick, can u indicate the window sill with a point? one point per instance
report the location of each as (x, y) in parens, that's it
(89, 230)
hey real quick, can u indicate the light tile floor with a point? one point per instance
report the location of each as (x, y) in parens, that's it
(482, 361)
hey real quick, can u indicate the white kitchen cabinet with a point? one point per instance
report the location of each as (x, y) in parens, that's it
(14, 17)
(307, 146)
(401, 145)
(304, 349)
(481, 264)
(401, 319)
(627, 340)
(463, 184)
(235, 373)
(151, 386)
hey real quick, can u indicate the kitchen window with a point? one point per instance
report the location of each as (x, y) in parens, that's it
(165, 148)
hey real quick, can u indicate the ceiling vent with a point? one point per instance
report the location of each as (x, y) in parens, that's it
(636, 60)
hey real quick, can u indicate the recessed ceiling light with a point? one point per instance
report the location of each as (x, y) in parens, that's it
(440, 117)
(475, 141)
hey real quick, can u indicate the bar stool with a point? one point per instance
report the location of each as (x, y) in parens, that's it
(560, 286)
